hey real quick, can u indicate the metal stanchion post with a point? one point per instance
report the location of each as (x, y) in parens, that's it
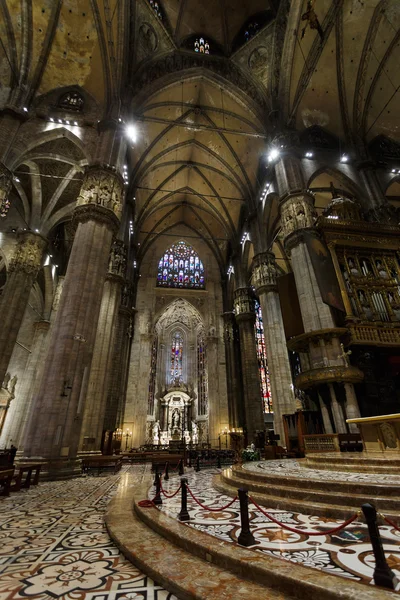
(197, 469)
(383, 575)
(155, 473)
(157, 498)
(218, 461)
(181, 469)
(245, 538)
(184, 515)
(166, 475)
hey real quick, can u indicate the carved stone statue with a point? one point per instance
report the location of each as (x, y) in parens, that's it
(195, 433)
(7, 378)
(156, 432)
(12, 384)
(176, 419)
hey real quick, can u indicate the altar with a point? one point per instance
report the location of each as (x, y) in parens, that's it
(379, 434)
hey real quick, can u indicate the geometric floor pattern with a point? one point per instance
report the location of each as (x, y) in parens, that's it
(53, 544)
(347, 553)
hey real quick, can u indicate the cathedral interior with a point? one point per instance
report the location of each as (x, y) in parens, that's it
(199, 240)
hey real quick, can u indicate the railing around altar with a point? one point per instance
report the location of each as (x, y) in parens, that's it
(327, 442)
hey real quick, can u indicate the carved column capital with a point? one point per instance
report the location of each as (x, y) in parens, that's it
(297, 213)
(244, 304)
(264, 273)
(28, 253)
(5, 189)
(228, 318)
(101, 196)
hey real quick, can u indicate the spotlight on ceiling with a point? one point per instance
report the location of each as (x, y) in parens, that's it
(131, 132)
(273, 155)
(309, 154)
(344, 158)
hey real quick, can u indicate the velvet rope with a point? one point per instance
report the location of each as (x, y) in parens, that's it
(146, 504)
(300, 531)
(172, 495)
(389, 522)
(206, 507)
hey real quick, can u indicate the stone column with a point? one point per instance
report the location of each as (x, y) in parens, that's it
(264, 281)
(22, 273)
(325, 416)
(56, 416)
(100, 371)
(235, 409)
(340, 423)
(253, 409)
(352, 408)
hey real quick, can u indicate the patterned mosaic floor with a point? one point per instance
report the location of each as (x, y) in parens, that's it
(292, 467)
(53, 544)
(347, 553)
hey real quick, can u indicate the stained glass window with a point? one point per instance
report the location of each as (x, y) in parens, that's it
(265, 382)
(156, 8)
(202, 378)
(152, 380)
(201, 45)
(176, 357)
(251, 30)
(71, 101)
(180, 267)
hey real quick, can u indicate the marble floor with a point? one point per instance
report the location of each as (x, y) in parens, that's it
(347, 553)
(293, 468)
(53, 544)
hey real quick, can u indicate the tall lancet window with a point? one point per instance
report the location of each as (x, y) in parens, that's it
(180, 267)
(265, 382)
(202, 377)
(152, 379)
(176, 357)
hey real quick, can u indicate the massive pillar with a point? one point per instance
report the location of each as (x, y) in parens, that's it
(22, 273)
(56, 416)
(236, 418)
(327, 362)
(264, 281)
(253, 409)
(96, 398)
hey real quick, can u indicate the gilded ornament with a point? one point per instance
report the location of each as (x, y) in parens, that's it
(28, 254)
(102, 188)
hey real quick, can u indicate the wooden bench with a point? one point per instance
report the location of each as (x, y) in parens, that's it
(6, 476)
(26, 470)
(101, 463)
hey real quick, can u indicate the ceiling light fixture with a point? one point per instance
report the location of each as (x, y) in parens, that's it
(344, 158)
(273, 155)
(131, 132)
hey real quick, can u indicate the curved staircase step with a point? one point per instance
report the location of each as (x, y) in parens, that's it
(193, 564)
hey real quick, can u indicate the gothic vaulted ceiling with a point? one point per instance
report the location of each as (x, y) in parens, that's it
(203, 123)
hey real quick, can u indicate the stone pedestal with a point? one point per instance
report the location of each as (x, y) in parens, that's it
(253, 409)
(22, 273)
(264, 280)
(56, 416)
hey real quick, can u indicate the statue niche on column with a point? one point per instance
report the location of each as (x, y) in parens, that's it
(175, 423)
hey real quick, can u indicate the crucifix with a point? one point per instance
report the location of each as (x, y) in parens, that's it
(345, 355)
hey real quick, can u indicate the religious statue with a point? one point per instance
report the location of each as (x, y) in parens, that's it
(7, 378)
(195, 433)
(176, 419)
(12, 384)
(156, 432)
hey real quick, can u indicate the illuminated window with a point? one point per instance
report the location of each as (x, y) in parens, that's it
(251, 30)
(202, 377)
(176, 357)
(180, 267)
(265, 382)
(71, 101)
(152, 380)
(156, 8)
(202, 46)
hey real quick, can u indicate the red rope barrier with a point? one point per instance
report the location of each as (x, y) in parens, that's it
(172, 495)
(206, 507)
(389, 522)
(299, 531)
(146, 504)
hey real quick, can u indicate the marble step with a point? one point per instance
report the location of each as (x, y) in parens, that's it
(338, 506)
(179, 571)
(192, 564)
(354, 462)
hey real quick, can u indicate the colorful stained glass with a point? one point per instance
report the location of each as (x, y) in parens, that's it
(202, 378)
(181, 267)
(265, 382)
(156, 8)
(152, 379)
(176, 357)
(202, 46)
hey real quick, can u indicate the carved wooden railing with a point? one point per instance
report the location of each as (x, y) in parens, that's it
(382, 336)
(326, 442)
